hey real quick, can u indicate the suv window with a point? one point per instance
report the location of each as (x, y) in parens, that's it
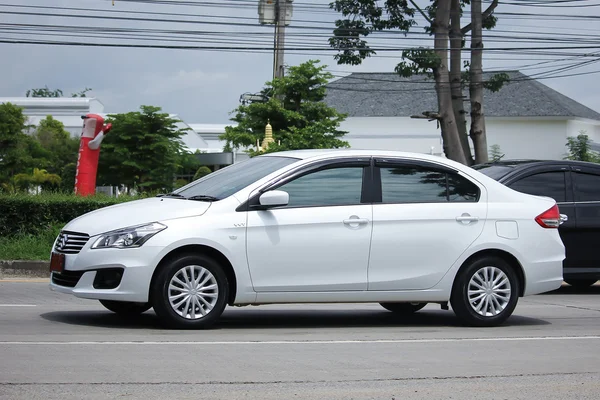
(550, 184)
(587, 187)
(329, 187)
(415, 184)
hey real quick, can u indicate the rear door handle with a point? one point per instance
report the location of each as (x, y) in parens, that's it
(352, 221)
(467, 218)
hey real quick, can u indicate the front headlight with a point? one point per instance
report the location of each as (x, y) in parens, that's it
(126, 238)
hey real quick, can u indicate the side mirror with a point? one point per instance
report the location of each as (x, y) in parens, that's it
(274, 198)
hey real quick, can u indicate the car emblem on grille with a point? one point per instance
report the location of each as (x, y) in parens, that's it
(63, 242)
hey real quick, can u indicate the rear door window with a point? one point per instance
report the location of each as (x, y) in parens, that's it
(418, 184)
(587, 187)
(549, 184)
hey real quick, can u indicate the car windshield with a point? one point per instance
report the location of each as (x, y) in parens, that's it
(225, 182)
(494, 171)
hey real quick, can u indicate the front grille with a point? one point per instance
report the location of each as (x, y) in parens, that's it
(66, 278)
(71, 242)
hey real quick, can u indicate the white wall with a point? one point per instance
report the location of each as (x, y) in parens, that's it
(517, 138)
(392, 133)
(591, 128)
(528, 139)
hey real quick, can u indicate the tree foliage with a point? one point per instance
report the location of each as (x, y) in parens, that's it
(14, 143)
(202, 172)
(143, 150)
(24, 159)
(496, 153)
(46, 92)
(580, 149)
(61, 150)
(363, 17)
(296, 111)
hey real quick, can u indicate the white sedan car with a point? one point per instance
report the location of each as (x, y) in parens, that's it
(318, 226)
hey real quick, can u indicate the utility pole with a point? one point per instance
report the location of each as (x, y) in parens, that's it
(278, 13)
(278, 56)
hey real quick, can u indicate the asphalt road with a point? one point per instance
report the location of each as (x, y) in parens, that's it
(54, 346)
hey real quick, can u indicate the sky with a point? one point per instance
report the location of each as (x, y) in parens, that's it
(204, 86)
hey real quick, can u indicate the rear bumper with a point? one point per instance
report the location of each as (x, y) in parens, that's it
(544, 276)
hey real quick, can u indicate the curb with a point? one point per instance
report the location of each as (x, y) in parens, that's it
(24, 268)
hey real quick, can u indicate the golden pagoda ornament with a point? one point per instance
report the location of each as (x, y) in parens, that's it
(268, 136)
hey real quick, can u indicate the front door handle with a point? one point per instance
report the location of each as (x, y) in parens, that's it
(563, 218)
(467, 218)
(355, 221)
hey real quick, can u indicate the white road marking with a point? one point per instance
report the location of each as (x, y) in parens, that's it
(207, 343)
(18, 305)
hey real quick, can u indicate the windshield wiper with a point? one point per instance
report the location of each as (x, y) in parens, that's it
(203, 197)
(177, 195)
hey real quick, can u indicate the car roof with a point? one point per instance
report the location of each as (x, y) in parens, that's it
(525, 162)
(325, 153)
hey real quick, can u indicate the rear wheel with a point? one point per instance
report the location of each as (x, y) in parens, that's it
(485, 292)
(581, 283)
(190, 291)
(403, 308)
(126, 308)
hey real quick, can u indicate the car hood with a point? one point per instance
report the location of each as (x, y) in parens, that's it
(135, 213)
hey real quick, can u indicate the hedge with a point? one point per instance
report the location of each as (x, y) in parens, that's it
(32, 214)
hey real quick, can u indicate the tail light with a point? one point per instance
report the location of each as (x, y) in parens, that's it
(549, 218)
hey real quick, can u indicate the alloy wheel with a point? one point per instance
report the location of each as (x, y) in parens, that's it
(489, 291)
(193, 292)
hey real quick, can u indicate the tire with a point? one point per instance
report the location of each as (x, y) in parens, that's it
(475, 273)
(205, 305)
(581, 283)
(403, 308)
(126, 308)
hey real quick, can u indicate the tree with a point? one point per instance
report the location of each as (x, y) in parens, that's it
(49, 148)
(13, 141)
(580, 149)
(202, 172)
(295, 109)
(362, 17)
(45, 92)
(496, 153)
(62, 149)
(39, 178)
(81, 93)
(142, 150)
(187, 165)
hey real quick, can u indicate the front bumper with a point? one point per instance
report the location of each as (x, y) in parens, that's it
(82, 270)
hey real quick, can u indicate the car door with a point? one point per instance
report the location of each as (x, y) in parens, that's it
(320, 241)
(554, 181)
(584, 255)
(424, 218)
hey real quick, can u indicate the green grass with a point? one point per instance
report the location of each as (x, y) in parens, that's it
(29, 247)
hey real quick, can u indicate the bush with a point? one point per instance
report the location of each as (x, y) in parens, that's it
(23, 214)
(29, 247)
(202, 171)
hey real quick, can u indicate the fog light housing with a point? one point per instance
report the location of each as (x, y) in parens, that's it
(108, 278)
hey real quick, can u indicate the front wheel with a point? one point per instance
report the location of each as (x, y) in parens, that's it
(126, 308)
(485, 292)
(403, 308)
(190, 291)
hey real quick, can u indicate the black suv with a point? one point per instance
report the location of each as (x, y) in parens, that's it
(575, 185)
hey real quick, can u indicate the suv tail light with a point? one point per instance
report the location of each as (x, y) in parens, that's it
(549, 218)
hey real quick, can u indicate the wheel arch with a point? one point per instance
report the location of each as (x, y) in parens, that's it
(206, 250)
(503, 254)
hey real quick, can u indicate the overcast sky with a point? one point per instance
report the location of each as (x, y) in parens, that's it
(204, 86)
